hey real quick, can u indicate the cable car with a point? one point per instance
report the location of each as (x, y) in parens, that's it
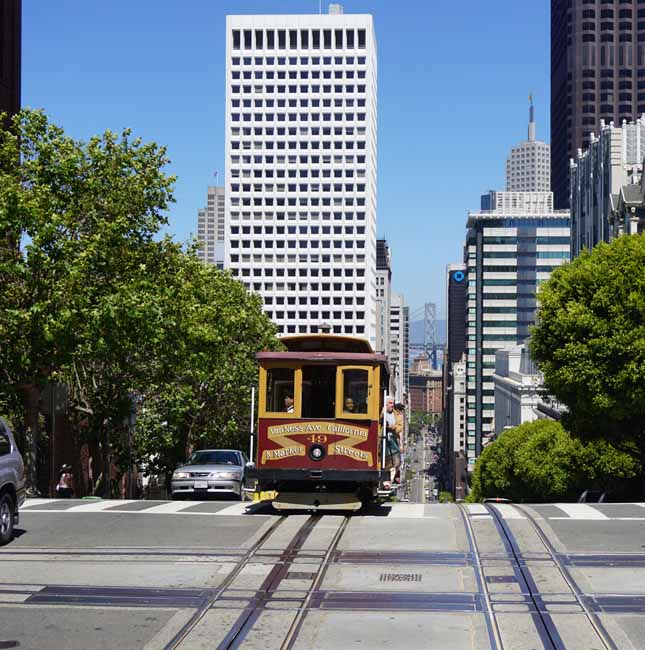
(319, 443)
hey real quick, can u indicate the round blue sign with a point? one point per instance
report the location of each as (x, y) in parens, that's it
(458, 276)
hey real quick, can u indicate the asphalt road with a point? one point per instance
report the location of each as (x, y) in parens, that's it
(196, 576)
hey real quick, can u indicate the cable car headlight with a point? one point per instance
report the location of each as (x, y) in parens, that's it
(316, 452)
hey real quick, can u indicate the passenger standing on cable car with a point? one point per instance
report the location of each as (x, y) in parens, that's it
(288, 403)
(392, 429)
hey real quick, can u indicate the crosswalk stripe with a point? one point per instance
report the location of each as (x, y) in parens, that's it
(34, 503)
(98, 506)
(173, 506)
(406, 510)
(476, 509)
(580, 511)
(508, 511)
(235, 509)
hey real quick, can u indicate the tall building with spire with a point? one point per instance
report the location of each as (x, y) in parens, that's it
(528, 166)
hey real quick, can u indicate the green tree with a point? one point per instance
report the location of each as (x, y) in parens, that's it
(74, 218)
(90, 297)
(201, 396)
(589, 342)
(540, 461)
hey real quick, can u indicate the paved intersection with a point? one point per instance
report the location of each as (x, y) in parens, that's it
(202, 575)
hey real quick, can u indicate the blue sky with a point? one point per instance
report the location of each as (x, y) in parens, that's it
(453, 81)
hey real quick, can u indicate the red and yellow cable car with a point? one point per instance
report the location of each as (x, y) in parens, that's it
(319, 443)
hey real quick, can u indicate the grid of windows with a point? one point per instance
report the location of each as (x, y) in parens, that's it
(301, 168)
(508, 258)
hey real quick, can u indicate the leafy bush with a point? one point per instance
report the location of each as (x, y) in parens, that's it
(540, 461)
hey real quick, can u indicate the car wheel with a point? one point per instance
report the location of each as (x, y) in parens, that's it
(177, 497)
(7, 509)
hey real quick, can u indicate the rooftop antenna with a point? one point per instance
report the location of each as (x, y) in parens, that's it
(531, 119)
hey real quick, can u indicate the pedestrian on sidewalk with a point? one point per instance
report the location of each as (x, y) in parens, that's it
(64, 489)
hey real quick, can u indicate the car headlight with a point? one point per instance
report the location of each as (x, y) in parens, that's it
(181, 475)
(228, 476)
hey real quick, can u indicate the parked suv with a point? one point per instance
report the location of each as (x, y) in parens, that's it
(12, 483)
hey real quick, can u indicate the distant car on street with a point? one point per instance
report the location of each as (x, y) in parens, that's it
(593, 496)
(12, 483)
(208, 472)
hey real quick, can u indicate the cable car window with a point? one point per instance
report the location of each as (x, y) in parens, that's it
(355, 389)
(279, 397)
(318, 391)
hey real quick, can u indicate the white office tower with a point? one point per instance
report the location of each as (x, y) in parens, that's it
(399, 358)
(211, 228)
(528, 166)
(301, 168)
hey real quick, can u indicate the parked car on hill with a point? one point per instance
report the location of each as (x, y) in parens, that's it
(208, 472)
(12, 483)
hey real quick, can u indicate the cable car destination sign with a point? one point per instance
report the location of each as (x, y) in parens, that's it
(318, 433)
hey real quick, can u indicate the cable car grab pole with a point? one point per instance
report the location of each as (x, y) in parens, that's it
(384, 430)
(252, 423)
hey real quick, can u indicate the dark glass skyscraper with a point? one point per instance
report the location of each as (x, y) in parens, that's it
(597, 72)
(10, 43)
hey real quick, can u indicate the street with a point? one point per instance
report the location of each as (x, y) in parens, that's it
(198, 575)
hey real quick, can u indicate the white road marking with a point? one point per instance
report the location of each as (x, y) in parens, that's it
(406, 510)
(173, 506)
(508, 511)
(235, 509)
(580, 511)
(476, 509)
(29, 503)
(14, 598)
(98, 506)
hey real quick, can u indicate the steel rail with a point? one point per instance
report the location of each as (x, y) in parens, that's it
(250, 614)
(494, 635)
(543, 623)
(187, 628)
(597, 625)
(296, 624)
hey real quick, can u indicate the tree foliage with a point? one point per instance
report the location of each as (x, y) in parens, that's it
(589, 340)
(540, 461)
(92, 297)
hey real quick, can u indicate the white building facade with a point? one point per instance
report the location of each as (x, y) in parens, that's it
(518, 388)
(528, 166)
(399, 358)
(457, 396)
(301, 168)
(614, 159)
(508, 255)
(211, 227)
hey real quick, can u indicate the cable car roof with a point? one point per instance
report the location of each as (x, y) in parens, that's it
(326, 343)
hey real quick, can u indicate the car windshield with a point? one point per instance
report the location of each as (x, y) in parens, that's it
(213, 458)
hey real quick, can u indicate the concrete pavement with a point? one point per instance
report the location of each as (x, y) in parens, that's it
(157, 576)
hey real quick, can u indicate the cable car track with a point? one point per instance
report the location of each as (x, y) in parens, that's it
(187, 628)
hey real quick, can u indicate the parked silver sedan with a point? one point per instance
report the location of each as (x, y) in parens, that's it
(12, 483)
(210, 471)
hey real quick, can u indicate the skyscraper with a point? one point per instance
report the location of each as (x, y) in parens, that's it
(10, 55)
(383, 292)
(508, 254)
(528, 166)
(211, 227)
(301, 167)
(399, 346)
(597, 71)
